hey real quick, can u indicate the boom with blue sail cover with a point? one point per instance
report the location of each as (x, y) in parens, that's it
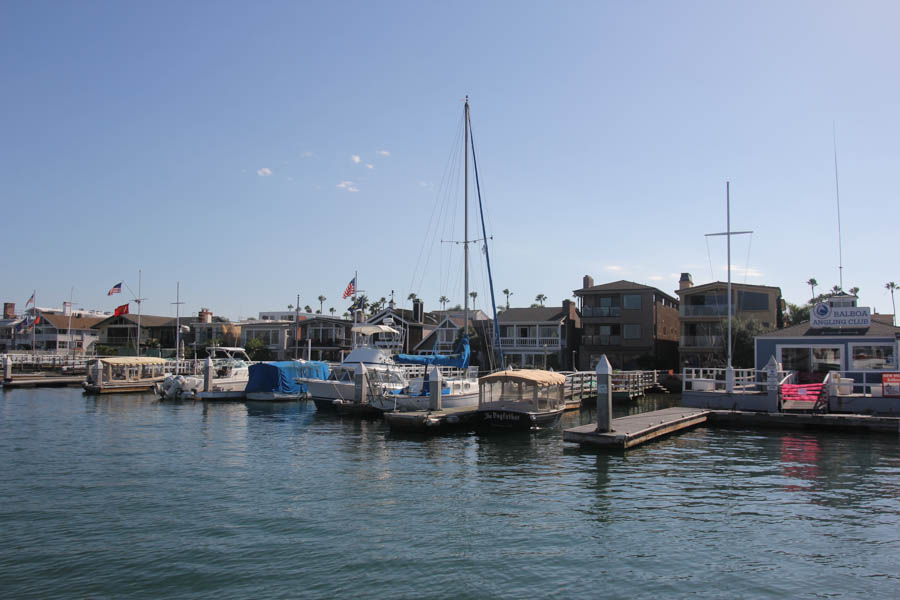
(459, 358)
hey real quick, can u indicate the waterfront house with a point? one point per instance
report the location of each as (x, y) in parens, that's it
(704, 316)
(326, 338)
(542, 336)
(60, 332)
(414, 325)
(207, 330)
(634, 325)
(120, 333)
(276, 336)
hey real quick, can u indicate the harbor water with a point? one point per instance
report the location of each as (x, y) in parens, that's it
(127, 497)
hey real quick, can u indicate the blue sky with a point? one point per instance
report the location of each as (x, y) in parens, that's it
(254, 151)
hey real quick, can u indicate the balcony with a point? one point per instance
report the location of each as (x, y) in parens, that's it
(601, 340)
(601, 311)
(705, 310)
(701, 341)
(549, 342)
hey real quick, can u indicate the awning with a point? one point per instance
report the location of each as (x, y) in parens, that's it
(533, 376)
(133, 361)
(373, 329)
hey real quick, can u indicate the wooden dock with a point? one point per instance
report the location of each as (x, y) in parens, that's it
(635, 430)
(580, 386)
(43, 381)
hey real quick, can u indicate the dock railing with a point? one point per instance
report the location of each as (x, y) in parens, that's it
(866, 384)
(713, 379)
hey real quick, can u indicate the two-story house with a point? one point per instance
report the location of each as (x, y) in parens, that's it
(634, 325)
(325, 338)
(121, 332)
(704, 316)
(541, 337)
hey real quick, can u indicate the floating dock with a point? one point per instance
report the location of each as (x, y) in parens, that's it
(43, 381)
(635, 430)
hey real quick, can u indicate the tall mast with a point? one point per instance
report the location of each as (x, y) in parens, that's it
(728, 238)
(177, 304)
(837, 195)
(466, 219)
(139, 301)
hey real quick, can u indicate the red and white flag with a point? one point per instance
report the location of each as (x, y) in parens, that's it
(351, 288)
(121, 310)
(116, 289)
(30, 301)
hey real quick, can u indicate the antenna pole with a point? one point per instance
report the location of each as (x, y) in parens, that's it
(837, 195)
(177, 304)
(728, 238)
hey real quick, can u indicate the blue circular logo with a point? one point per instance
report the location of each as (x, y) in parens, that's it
(821, 310)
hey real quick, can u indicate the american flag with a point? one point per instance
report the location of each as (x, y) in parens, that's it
(351, 288)
(30, 300)
(116, 289)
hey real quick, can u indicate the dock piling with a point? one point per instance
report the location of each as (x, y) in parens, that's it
(604, 395)
(434, 388)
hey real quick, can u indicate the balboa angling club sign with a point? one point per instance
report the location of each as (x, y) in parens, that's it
(823, 315)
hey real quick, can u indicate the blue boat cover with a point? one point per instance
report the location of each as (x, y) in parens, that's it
(459, 358)
(314, 369)
(280, 376)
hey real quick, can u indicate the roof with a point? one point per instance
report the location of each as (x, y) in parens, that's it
(534, 376)
(718, 284)
(623, 285)
(62, 321)
(133, 361)
(146, 320)
(539, 314)
(876, 329)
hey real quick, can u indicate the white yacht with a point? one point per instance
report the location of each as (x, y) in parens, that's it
(229, 371)
(340, 387)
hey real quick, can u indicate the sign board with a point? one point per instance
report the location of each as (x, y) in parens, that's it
(822, 315)
(890, 385)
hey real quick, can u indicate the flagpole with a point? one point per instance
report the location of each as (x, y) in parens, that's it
(69, 329)
(34, 325)
(139, 301)
(177, 304)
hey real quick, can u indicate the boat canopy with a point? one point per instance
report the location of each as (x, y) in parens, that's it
(459, 358)
(314, 369)
(373, 329)
(275, 377)
(532, 376)
(133, 361)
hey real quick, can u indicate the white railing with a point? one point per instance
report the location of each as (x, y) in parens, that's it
(867, 384)
(530, 342)
(705, 310)
(709, 379)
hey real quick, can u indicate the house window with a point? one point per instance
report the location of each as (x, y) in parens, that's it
(873, 357)
(631, 301)
(631, 331)
(753, 301)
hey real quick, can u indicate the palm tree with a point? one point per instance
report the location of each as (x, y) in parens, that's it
(891, 286)
(474, 295)
(836, 289)
(321, 300)
(412, 297)
(812, 283)
(854, 291)
(444, 300)
(290, 307)
(307, 308)
(540, 298)
(331, 310)
(508, 294)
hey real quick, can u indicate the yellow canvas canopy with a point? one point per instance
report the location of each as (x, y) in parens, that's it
(533, 376)
(133, 361)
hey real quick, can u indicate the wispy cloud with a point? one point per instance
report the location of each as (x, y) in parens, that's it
(264, 172)
(290, 178)
(615, 268)
(655, 278)
(306, 154)
(348, 185)
(370, 166)
(425, 184)
(355, 158)
(382, 153)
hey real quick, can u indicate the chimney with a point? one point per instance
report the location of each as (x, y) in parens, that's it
(587, 282)
(569, 308)
(418, 311)
(9, 310)
(685, 281)
(205, 315)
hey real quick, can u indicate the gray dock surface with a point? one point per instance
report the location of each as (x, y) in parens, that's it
(43, 381)
(634, 430)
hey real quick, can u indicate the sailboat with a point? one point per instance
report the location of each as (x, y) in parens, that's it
(459, 391)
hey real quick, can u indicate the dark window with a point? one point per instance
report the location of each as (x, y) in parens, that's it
(753, 301)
